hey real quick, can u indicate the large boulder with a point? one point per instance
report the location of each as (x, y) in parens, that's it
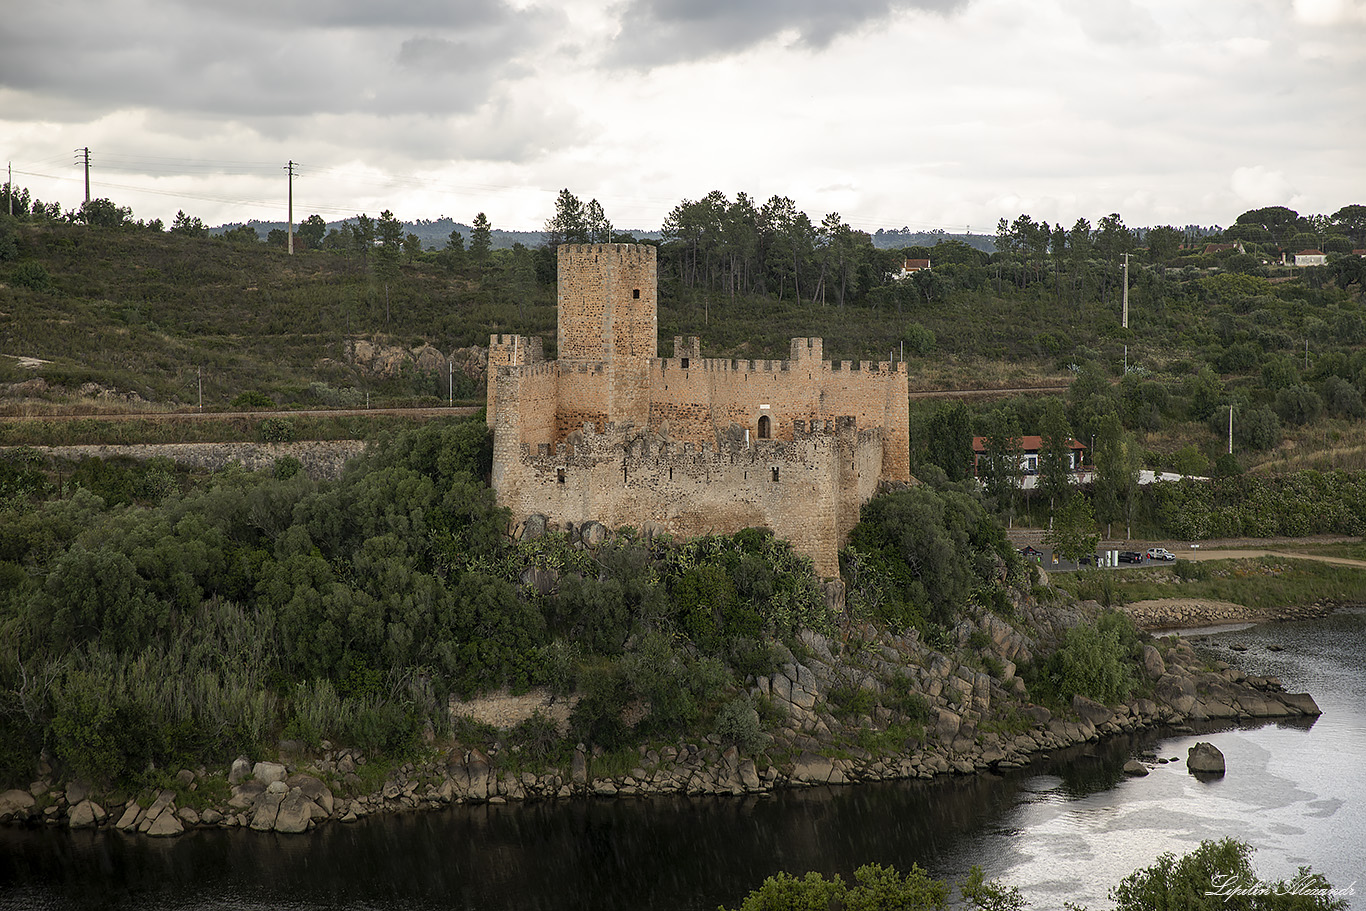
(1301, 702)
(1205, 757)
(15, 803)
(295, 813)
(1090, 710)
(269, 772)
(812, 768)
(166, 825)
(1135, 768)
(240, 771)
(1153, 665)
(85, 814)
(268, 806)
(314, 790)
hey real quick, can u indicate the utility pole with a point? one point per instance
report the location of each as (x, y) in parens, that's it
(200, 371)
(9, 189)
(290, 168)
(1230, 428)
(1125, 319)
(85, 155)
(450, 380)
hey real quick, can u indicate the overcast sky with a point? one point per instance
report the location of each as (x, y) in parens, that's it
(926, 113)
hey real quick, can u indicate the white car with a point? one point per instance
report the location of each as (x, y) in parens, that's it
(1160, 553)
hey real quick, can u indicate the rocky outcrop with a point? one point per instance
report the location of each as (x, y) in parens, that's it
(381, 360)
(969, 702)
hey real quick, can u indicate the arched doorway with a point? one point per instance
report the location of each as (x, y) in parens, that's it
(765, 427)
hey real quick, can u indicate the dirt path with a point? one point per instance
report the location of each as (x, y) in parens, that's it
(1222, 554)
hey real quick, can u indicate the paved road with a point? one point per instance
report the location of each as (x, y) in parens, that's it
(1199, 554)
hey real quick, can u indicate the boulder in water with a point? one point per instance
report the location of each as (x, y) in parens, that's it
(1205, 757)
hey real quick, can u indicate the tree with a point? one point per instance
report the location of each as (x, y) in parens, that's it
(1163, 242)
(185, 224)
(102, 213)
(311, 232)
(412, 246)
(363, 235)
(453, 254)
(1352, 221)
(1117, 464)
(597, 227)
(569, 225)
(481, 240)
(242, 234)
(949, 442)
(1073, 533)
(1277, 222)
(1055, 453)
(1001, 468)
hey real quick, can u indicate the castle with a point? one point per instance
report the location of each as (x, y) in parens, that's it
(613, 433)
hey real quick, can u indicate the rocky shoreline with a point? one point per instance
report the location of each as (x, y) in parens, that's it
(1188, 613)
(975, 717)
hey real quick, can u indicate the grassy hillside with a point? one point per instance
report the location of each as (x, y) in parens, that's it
(140, 314)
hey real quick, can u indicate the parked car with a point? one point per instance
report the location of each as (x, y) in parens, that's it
(1089, 560)
(1160, 553)
(1029, 550)
(1130, 556)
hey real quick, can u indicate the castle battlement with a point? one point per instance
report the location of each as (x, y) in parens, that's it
(611, 432)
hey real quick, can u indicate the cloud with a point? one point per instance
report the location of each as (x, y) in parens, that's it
(1260, 186)
(657, 32)
(259, 59)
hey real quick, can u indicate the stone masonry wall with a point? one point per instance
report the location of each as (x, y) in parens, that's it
(796, 486)
(607, 302)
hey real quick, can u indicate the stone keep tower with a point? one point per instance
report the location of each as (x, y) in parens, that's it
(608, 314)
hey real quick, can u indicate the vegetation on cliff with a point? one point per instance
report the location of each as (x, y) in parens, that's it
(152, 619)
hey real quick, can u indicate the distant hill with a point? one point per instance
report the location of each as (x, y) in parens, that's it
(896, 238)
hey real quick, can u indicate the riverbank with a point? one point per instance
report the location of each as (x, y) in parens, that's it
(977, 717)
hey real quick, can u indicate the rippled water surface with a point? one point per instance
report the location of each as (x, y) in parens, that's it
(1068, 828)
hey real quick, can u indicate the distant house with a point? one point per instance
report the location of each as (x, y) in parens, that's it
(1310, 258)
(1361, 252)
(1223, 248)
(912, 266)
(1030, 445)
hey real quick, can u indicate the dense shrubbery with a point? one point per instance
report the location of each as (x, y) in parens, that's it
(1303, 503)
(1095, 660)
(1199, 881)
(150, 622)
(919, 555)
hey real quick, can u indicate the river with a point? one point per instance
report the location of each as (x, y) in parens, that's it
(1066, 828)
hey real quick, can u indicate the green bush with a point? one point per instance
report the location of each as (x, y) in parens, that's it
(1094, 660)
(1202, 880)
(276, 430)
(252, 399)
(31, 274)
(738, 722)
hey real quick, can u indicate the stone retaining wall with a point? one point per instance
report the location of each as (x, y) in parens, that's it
(321, 459)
